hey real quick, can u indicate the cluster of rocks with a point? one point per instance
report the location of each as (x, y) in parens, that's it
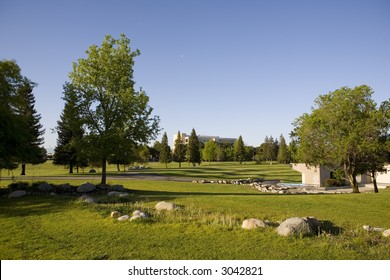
(293, 226)
(232, 182)
(137, 214)
(385, 232)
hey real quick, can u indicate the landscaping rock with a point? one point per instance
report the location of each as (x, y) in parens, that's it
(118, 188)
(386, 233)
(124, 194)
(45, 187)
(253, 223)
(114, 193)
(65, 187)
(18, 193)
(123, 218)
(370, 228)
(92, 171)
(116, 214)
(86, 188)
(294, 226)
(88, 199)
(137, 214)
(162, 205)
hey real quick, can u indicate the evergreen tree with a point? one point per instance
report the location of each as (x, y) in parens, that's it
(193, 149)
(68, 150)
(179, 152)
(239, 150)
(283, 154)
(165, 152)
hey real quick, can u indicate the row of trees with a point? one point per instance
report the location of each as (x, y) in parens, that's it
(195, 151)
(21, 134)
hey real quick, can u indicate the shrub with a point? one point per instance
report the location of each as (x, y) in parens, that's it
(333, 183)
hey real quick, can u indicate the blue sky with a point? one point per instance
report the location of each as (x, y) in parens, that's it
(225, 68)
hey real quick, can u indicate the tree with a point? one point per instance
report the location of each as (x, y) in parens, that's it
(111, 109)
(179, 152)
(193, 149)
(165, 152)
(20, 130)
(210, 151)
(70, 133)
(283, 153)
(336, 133)
(239, 150)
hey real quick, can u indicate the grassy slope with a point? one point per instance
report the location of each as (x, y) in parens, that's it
(207, 227)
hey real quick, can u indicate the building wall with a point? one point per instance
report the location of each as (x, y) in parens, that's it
(312, 175)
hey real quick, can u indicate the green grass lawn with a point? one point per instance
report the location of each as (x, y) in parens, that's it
(207, 226)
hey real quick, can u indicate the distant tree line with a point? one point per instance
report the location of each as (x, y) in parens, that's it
(21, 134)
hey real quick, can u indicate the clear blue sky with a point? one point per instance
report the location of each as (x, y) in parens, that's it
(225, 68)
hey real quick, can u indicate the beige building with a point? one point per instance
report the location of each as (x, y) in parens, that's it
(204, 138)
(312, 175)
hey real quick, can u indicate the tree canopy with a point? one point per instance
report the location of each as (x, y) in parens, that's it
(339, 131)
(111, 109)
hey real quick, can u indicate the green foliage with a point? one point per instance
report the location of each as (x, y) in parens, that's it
(111, 109)
(239, 150)
(210, 151)
(20, 130)
(179, 152)
(338, 132)
(193, 149)
(283, 151)
(165, 151)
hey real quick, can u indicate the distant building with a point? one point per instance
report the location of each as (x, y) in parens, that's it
(204, 138)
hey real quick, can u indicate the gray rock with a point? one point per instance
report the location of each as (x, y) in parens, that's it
(123, 218)
(45, 187)
(252, 223)
(18, 193)
(118, 188)
(294, 226)
(116, 214)
(386, 233)
(65, 187)
(86, 188)
(88, 199)
(162, 205)
(114, 193)
(124, 194)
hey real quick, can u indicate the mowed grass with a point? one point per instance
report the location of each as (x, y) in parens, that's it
(207, 225)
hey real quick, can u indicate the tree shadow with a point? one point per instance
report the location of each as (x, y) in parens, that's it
(328, 227)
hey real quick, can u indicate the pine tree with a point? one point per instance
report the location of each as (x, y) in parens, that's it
(179, 152)
(165, 152)
(283, 154)
(239, 150)
(70, 133)
(31, 150)
(193, 149)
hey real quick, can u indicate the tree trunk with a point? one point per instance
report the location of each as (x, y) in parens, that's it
(118, 167)
(374, 182)
(71, 168)
(23, 169)
(179, 164)
(104, 171)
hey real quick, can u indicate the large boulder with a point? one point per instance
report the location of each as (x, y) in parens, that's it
(118, 188)
(162, 205)
(252, 223)
(294, 226)
(45, 187)
(386, 233)
(86, 188)
(18, 193)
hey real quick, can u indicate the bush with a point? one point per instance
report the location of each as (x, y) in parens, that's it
(18, 186)
(333, 183)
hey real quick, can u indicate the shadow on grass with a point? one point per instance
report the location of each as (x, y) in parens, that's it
(328, 227)
(31, 206)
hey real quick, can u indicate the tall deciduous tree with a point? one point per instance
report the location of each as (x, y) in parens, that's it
(210, 150)
(179, 152)
(335, 133)
(193, 148)
(239, 150)
(165, 151)
(111, 109)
